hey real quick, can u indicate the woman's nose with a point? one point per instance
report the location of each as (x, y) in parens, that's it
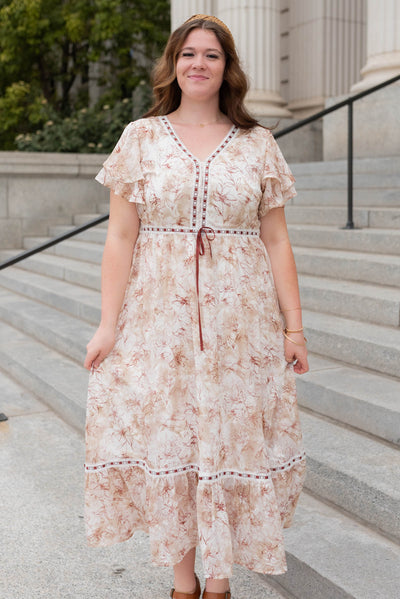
(198, 61)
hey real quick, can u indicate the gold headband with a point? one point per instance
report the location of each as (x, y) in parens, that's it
(209, 18)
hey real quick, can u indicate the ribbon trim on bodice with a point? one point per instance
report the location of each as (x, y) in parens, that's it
(209, 235)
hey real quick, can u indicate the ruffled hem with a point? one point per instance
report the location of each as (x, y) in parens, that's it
(122, 171)
(133, 191)
(278, 189)
(234, 519)
(277, 182)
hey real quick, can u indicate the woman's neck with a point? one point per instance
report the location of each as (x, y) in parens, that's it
(196, 113)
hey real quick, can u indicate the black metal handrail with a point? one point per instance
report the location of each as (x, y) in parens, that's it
(350, 223)
(347, 102)
(54, 241)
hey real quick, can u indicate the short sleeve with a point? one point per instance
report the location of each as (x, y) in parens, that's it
(122, 171)
(277, 183)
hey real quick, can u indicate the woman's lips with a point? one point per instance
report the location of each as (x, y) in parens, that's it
(197, 77)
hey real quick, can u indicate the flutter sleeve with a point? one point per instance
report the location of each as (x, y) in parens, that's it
(277, 183)
(122, 171)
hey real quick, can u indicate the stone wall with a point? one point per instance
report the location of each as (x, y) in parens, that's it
(39, 189)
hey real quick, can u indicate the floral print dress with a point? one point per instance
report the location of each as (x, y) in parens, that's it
(192, 424)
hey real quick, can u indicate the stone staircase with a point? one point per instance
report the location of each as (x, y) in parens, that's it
(346, 536)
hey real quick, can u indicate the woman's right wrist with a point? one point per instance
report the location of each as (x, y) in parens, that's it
(293, 318)
(108, 325)
(297, 337)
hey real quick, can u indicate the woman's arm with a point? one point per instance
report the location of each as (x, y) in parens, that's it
(123, 229)
(275, 236)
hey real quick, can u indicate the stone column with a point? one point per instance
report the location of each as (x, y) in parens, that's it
(183, 9)
(383, 44)
(326, 51)
(255, 27)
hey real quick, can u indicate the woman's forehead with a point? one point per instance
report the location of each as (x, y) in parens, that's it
(203, 38)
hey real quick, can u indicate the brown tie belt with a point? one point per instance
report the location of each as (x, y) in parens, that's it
(209, 235)
(203, 234)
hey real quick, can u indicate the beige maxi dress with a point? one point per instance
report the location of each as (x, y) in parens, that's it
(192, 424)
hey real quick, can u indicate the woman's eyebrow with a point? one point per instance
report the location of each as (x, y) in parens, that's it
(207, 50)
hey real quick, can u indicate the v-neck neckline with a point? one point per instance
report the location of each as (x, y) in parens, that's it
(171, 131)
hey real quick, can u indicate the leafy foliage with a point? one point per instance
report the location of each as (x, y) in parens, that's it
(89, 130)
(59, 58)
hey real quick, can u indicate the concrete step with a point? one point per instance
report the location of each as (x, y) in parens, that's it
(59, 381)
(60, 331)
(373, 197)
(56, 230)
(337, 181)
(387, 166)
(74, 300)
(331, 556)
(71, 248)
(358, 398)
(380, 269)
(371, 346)
(74, 271)
(78, 220)
(82, 219)
(353, 471)
(16, 400)
(381, 241)
(382, 218)
(103, 207)
(95, 234)
(360, 301)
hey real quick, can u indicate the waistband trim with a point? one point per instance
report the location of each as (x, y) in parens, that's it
(149, 229)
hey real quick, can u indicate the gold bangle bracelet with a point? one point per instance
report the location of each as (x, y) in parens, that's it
(289, 309)
(292, 340)
(294, 330)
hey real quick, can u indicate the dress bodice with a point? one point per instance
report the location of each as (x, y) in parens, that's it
(242, 179)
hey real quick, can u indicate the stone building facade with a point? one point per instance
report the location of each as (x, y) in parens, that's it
(301, 55)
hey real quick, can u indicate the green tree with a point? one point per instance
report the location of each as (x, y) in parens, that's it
(57, 55)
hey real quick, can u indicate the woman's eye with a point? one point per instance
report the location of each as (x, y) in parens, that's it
(187, 54)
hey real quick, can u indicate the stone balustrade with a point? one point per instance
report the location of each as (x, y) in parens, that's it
(38, 189)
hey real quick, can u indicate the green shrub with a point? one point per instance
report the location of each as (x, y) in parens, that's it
(90, 130)
(57, 58)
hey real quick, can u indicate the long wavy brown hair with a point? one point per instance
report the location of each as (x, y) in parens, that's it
(167, 93)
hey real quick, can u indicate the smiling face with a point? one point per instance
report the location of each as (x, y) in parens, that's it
(200, 65)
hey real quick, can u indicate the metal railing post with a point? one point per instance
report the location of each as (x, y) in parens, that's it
(350, 222)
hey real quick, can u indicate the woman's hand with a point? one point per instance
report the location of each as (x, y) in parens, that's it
(296, 354)
(99, 347)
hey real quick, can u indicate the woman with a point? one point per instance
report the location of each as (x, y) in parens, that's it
(192, 424)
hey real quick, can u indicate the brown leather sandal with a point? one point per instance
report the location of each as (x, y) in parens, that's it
(196, 595)
(208, 595)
